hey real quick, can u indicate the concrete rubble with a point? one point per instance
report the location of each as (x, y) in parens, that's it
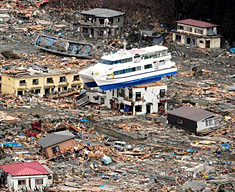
(155, 157)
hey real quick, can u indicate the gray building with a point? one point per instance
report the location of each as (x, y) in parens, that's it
(192, 119)
(101, 23)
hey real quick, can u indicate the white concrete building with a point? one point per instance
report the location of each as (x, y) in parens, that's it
(28, 176)
(136, 100)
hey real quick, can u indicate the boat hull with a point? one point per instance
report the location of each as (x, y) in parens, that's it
(140, 79)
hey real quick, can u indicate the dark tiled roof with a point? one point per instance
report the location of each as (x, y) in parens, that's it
(55, 138)
(191, 113)
(196, 23)
(99, 12)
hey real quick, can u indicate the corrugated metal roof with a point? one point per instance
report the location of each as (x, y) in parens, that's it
(27, 168)
(55, 138)
(196, 23)
(99, 12)
(191, 113)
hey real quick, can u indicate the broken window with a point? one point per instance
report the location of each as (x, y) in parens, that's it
(162, 93)
(62, 79)
(101, 21)
(180, 122)
(21, 182)
(180, 27)
(199, 31)
(122, 93)
(138, 108)
(118, 20)
(22, 82)
(50, 80)
(178, 37)
(20, 93)
(37, 91)
(138, 96)
(38, 181)
(35, 81)
(130, 93)
(55, 149)
(201, 41)
(76, 78)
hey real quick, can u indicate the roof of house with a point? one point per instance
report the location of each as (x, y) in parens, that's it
(191, 113)
(99, 12)
(196, 23)
(27, 168)
(55, 138)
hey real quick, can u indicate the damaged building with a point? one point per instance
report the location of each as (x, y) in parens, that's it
(39, 81)
(197, 34)
(192, 119)
(101, 23)
(136, 100)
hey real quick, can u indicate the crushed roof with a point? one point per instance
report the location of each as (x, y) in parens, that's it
(191, 113)
(99, 12)
(55, 138)
(26, 168)
(196, 23)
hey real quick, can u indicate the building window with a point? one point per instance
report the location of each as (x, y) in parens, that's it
(138, 96)
(101, 21)
(55, 149)
(180, 122)
(138, 108)
(122, 93)
(22, 82)
(50, 80)
(201, 41)
(118, 20)
(148, 66)
(199, 31)
(178, 37)
(35, 81)
(180, 27)
(162, 93)
(76, 78)
(96, 98)
(62, 79)
(65, 88)
(49, 177)
(21, 182)
(20, 93)
(37, 91)
(188, 29)
(39, 181)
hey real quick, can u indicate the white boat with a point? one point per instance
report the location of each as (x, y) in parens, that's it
(126, 68)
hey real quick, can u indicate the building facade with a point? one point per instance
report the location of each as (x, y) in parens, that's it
(26, 176)
(101, 23)
(41, 84)
(197, 34)
(192, 119)
(136, 100)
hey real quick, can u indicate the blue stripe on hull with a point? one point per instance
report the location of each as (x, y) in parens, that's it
(134, 82)
(91, 84)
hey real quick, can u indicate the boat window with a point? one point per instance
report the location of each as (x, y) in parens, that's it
(148, 66)
(127, 60)
(127, 70)
(103, 61)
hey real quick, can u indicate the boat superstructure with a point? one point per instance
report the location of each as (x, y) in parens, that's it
(129, 67)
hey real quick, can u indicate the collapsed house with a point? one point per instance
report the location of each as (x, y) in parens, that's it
(136, 100)
(56, 143)
(192, 119)
(38, 80)
(26, 176)
(101, 23)
(197, 34)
